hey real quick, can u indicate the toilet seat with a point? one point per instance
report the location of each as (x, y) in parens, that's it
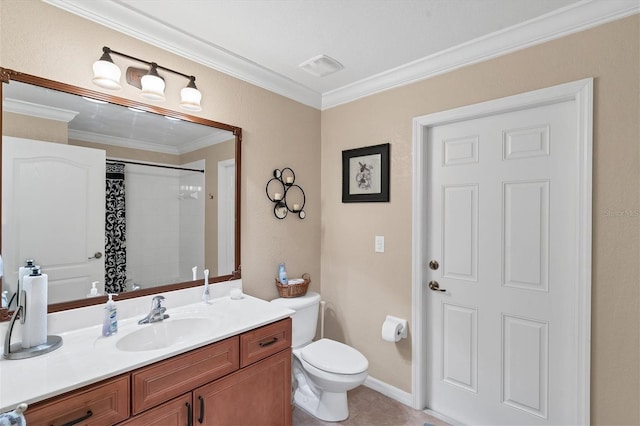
(334, 357)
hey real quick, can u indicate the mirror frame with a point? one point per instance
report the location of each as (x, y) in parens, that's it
(7, 75)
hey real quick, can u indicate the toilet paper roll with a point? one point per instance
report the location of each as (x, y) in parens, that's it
(391, 330)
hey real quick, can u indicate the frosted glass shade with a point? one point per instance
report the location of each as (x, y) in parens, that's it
(190, 99)
(152, 88)
(106, 75)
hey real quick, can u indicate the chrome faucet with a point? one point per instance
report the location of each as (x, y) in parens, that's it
(157, 312)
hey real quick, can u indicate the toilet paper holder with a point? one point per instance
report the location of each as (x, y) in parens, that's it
(399, 325)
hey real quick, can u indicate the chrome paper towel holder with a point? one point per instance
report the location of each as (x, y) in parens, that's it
(16, 351)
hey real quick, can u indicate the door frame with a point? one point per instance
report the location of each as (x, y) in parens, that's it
(226, 175)
(580, 91)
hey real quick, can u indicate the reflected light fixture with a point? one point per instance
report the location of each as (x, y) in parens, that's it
(107, 75)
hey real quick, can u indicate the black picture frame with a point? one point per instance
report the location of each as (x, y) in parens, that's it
(365, 174)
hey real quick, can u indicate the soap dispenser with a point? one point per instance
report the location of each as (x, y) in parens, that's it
(94, 291)
(110, 324)
(206, 293)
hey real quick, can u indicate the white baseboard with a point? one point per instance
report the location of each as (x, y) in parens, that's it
(402, 397)
(389, 391)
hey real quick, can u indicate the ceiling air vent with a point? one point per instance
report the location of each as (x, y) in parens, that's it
(321, 65)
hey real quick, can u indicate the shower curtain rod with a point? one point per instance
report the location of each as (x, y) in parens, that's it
(155, 165)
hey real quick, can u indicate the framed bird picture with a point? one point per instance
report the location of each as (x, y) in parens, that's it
(365, 174)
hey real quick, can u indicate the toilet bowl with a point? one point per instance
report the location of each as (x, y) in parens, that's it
(323, 371)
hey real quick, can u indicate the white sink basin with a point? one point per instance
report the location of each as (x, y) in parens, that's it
(165, 333)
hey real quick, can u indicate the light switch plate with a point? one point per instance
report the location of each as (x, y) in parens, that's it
(379, 244)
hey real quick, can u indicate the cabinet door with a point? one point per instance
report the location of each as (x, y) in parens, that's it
(100, 404)
(177, 412)
(256, 395)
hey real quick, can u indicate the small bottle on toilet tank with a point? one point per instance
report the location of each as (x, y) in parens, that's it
(282, 274)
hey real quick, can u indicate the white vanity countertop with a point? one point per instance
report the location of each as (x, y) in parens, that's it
(86, 357)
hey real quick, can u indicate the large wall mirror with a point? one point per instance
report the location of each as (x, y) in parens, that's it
(97, 188)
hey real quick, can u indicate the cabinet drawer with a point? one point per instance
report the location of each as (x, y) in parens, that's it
(167, 379)
(177, 412)
(264, 341)
(100, 404)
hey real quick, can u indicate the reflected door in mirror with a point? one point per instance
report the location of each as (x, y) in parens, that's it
(56, 194)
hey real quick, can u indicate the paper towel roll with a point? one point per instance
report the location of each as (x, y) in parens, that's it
(34, 329)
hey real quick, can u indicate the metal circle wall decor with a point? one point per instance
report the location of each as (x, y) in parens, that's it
(284, 182)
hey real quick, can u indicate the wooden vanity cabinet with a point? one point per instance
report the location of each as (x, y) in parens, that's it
(242, 380)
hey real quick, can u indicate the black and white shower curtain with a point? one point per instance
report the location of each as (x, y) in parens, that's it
(115, 259)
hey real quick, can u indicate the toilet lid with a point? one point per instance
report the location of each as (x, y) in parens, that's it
(334, 357)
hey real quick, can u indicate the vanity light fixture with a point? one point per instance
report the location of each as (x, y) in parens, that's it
(152, 85)
(107, 75)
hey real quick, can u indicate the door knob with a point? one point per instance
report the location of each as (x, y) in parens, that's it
(433, 285)
(96, 255)
(434, 265)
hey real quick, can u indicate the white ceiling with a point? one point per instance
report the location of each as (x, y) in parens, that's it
(380, 43)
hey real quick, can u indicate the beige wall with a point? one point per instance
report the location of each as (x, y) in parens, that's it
(277, 132)
(29, 127)
(361, 287)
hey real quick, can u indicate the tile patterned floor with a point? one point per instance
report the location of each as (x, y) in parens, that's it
(368, 407)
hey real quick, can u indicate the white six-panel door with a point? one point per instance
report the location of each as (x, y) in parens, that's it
(501, 204)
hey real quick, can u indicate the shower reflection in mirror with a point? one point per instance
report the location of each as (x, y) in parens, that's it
(149, 213)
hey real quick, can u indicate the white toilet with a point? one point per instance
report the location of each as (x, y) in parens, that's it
(324, 370)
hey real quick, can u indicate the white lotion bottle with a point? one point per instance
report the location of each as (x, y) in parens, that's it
(282, 274)
(110, 322)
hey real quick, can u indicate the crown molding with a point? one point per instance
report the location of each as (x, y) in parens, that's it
(204, 142)
(81, 135)
(559, 23)
(37, 110)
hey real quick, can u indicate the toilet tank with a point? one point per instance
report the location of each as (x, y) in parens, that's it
(305, 320)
